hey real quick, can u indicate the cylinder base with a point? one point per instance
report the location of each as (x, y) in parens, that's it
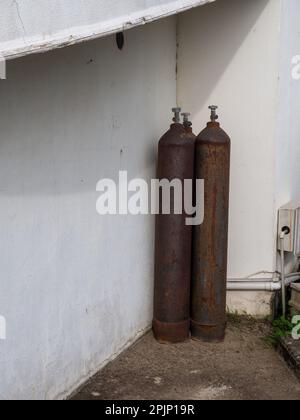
(208, 333)
(171, 333)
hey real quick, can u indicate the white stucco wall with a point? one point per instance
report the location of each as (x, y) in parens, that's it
(229, 55)
(288, 144)
(76, 287)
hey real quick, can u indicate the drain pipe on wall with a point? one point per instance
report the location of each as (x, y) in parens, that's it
(285, 231)
(258, 285)
(254, 286)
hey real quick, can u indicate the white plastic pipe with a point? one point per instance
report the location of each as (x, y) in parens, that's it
(291, 279)
(283, 280)
(292, 275)
(255, 286)
(253, 280)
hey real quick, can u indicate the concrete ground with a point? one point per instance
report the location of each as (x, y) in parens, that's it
(244, 367)
(290, 350)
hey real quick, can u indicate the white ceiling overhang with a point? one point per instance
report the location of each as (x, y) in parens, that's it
(34, 26)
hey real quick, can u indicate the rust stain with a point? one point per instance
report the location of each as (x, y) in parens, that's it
(173, 244)
(208, 311)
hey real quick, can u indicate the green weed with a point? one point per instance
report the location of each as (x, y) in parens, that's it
(281, 328)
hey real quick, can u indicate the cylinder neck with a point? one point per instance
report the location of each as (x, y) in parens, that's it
(213, 124)
(177, 125)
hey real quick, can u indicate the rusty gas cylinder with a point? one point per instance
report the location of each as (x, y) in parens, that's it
(173, 249)
(210, 242)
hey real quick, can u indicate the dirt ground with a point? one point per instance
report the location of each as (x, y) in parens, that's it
(244, 367)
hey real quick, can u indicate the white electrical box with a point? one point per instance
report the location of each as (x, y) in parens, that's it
(289, 217)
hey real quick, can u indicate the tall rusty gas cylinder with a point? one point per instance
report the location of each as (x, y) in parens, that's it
(173, 253)
(210, 242)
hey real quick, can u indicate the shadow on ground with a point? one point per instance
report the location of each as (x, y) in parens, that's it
(244, 367)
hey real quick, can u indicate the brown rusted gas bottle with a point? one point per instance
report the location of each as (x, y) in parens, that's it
(210, 242)
(173, 250)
